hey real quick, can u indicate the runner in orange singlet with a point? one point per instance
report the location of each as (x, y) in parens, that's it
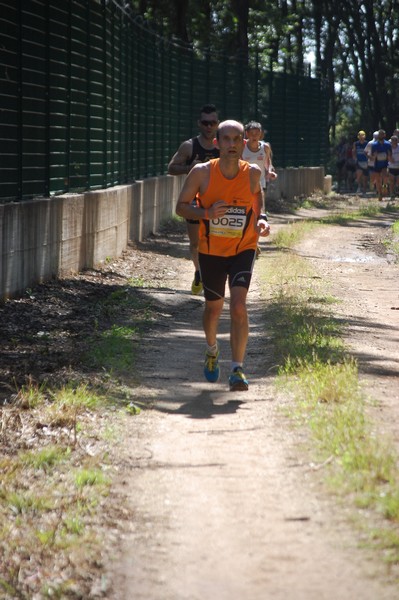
(229, 200)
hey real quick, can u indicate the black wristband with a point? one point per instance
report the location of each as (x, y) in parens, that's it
(262, 217)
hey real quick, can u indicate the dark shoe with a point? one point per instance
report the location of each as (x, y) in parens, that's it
(237, 381)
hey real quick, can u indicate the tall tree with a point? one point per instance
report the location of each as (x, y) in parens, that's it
(372, 37)
(241, 11)
(356, 45)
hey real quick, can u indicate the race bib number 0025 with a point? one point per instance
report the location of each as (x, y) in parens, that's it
(231, 225)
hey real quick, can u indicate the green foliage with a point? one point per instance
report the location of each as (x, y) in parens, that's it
(292, 234)
(31, 395)
(89, 477)
(137, 282)
(283, 35)
(391, 243)
(78, 397)
(114, 348)
(45, 458)
(23, 501)
(395, 228)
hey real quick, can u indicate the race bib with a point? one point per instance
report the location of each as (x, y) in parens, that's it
(231, 225)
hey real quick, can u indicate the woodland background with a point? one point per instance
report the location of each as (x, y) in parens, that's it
(352, 44)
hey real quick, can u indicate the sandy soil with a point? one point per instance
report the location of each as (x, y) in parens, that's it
(225, 501)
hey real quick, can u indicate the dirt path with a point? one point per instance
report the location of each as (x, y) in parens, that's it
(225, 505)
(368, 286)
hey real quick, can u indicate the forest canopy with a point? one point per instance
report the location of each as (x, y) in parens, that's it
(352, 44)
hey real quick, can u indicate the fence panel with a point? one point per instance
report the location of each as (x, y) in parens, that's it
(91, 97)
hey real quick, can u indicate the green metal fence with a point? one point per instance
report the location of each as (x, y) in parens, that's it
(91, 98)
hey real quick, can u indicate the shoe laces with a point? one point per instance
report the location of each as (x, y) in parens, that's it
(211, 362)
(238, 372)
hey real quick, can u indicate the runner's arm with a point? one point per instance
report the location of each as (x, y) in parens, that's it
(254, 178)
(270, 172)
(197, 181)
(261, 224)
(178, 163)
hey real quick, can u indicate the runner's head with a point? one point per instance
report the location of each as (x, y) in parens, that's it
(208, 121)
(381, 134)
(230, 138)
(230, 124)
(254, 131)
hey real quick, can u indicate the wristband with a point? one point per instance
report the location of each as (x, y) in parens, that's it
(262, 217)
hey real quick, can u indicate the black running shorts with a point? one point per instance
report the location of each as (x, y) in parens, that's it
(215, 270)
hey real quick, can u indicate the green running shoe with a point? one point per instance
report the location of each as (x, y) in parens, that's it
(196, 286)
(211, 367)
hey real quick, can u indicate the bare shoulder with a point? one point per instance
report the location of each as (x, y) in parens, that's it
(199, 176)
(196, 181)
(184, 151)
(186, 148)
(200, 171)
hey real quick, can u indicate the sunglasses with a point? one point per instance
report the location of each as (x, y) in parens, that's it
(206, 123)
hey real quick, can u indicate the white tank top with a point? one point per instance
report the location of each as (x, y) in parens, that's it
(257, 158)
(394, 162)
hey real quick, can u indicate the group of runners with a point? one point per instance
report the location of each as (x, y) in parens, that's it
(372, 164)
(222, 199)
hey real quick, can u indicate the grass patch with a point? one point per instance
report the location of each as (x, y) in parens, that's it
(292, 234)
(75, 397)
(114, 349)
(310, 336)
(119, 322)
(45, 458)
(58, 445)
(314, 365)
(289, 236)
(23, 502)
(137, 282)
(30, 395)
(392, 241)
(371, 210)
(89, 477)
(51, 494)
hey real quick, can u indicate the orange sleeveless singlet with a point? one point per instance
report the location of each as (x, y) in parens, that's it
(235, 231)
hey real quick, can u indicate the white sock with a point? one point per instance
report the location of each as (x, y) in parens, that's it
(212, 350)
(234, 365)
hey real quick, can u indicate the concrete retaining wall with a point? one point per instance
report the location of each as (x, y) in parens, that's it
(294, 183)
(52, 237)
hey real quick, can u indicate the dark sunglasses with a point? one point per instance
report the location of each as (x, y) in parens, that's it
(208, 123)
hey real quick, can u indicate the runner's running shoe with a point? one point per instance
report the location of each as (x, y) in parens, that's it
(196, 286)
(237, 381)
(211, 367)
